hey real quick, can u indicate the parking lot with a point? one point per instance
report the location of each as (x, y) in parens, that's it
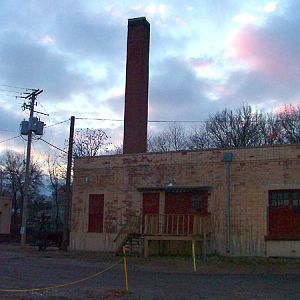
(153, 278)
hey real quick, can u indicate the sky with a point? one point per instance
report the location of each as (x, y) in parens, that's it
(204, 56)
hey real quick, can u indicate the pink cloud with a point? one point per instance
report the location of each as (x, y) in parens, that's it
(270, 51)
(284, 108)
(200, 63)
(222, 91)
(248, 45)
(202, 66)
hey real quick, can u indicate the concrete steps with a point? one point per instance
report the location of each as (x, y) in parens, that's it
(132, 245)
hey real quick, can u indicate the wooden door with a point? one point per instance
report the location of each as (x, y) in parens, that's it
(150, 208)
(96, 210)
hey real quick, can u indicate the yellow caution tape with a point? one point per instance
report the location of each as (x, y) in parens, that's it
(61, 285)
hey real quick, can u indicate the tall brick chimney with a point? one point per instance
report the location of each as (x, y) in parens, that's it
(136, 91)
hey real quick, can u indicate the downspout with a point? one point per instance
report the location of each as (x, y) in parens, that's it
(228, 159)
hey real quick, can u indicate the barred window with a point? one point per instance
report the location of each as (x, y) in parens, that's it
(284, 198)
(196, 203)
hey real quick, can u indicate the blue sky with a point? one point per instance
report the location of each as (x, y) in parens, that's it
(204, 56)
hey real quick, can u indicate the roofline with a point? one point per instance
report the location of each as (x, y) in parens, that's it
(193, 151)
(175, 189)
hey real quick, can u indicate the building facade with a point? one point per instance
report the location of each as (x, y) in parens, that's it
(252, 202)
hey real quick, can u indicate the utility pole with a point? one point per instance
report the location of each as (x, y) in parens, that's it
(68, 195)
(32, 96)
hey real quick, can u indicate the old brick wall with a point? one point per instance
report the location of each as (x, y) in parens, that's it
(254, 171)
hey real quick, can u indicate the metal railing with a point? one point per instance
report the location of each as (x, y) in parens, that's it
(176, 224)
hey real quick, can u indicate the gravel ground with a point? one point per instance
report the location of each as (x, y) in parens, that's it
(154, 278)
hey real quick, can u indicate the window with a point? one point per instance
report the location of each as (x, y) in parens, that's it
(295, 198)
(96, 208)
(284, 198)
(198, 202)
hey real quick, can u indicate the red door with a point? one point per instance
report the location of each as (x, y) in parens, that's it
(177, 207)
(151, 208)
(96, 208)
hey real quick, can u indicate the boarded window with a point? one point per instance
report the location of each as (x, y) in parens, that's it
(96, 208)
(284, 214)
(186, 202)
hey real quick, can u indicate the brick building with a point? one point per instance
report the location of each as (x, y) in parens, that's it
(264, 197)
(235, 201)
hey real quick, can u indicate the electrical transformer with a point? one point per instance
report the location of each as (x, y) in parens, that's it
(34, 124)
(39, 128)
(24, 127)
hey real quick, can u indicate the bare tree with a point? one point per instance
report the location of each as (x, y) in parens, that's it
(13, 165)
(158, 143)
(243, 127)
(57, 174)
(289, 120)
(4, 190)
(89, 142)
(271, 131)
(117, 149)
(172, 139)
(198, 139)
(239, 128)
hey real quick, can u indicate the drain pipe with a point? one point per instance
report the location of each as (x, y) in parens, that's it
(228, 159)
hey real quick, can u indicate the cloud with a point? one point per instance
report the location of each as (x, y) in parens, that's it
(76, 51)
(272, 53)
(116, 105)
(270, 7)
(9, 127)
(91, 36)
(244, 18)
(177, 93)
(10, 117)
(35, 66)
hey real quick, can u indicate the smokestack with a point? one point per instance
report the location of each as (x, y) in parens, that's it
(136, 90)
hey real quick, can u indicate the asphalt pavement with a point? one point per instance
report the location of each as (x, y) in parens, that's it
(150, 279)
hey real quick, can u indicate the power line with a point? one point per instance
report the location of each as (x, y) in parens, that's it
(5, 130)
(179, 121)
(9, 139)
(150, 121)
(47, 126)
(160, 121)
(16, 87)
(8, 95)
(97, 119)
(53, 146)
(43, 107)
(10, 91)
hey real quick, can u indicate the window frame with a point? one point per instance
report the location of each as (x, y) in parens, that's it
(284, 198)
